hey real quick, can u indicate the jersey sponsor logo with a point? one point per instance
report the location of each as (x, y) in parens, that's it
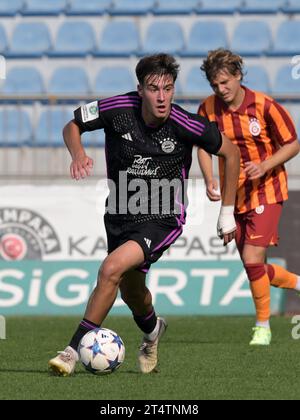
(148, 242)
(260, 209)
(127, 137)
(254, 127)
(141, 167)
(168, 145)
(90, 112)
(25, 235)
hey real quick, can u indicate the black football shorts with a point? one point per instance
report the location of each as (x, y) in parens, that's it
(154, 237)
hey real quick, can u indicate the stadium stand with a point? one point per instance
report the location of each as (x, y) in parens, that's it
(69, 81)
(94, 138)
(218, 7)
(50, 125)
(10, 7)
(110, 44)
(291, 6)
(259, 6)
(60, 52)
(287, 40)
(74, 39)
(29, 40)
(87, 8)
(3, 40)
(164, 36)
(175, 7)
(196, 83)
(256, 78)
(131, 7)
(251, 38)
(285, 84)
(113, 80)
(205, 36)
(23, 81)
(45, 7)
(15, 127)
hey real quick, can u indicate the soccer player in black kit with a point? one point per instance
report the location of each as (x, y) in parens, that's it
(148, 140)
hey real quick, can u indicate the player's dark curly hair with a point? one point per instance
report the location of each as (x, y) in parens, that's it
(222, 59)
(159, 65)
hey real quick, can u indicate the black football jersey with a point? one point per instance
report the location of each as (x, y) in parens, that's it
(146, 166)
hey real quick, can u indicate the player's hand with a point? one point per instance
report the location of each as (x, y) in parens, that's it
(81, 166)
(226, 224)
(254, 170)
(213, 191)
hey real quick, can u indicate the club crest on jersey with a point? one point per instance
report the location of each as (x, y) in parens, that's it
(254, 127)
(168, 145)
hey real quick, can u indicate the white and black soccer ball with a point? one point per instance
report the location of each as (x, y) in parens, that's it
(101, 351)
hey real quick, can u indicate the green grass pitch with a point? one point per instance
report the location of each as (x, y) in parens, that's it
(200, 358)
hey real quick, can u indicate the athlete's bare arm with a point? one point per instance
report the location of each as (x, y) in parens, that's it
(212, 184)
(81, 165)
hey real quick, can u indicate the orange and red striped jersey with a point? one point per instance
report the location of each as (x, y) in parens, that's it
(259, 128)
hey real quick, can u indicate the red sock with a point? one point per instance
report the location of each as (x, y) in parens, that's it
(260, 288)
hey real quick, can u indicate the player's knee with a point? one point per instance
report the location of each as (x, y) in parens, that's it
(110, 272)
(255, 271)
(254, 257)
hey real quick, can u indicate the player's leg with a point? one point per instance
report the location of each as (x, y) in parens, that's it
(253, 258)
(126, 257)
(279, 276)
(137, 296)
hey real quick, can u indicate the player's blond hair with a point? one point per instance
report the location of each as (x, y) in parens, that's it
(221, 59)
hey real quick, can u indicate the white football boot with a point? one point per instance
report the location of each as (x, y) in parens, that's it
(148, 357)
(64, 364)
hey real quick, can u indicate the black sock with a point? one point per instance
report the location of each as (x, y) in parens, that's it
(84, 327)
(146, 323)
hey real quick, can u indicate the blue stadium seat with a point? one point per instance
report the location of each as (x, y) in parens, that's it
(69, 81)
(44, 7)
(175, 7)
(291, 6)
(256, 78)
(218, 7)
(94, 138)
(131, 7)
(52, 120)
(120, 39)
(285, 83)
(74, 39)
(164, 36)
(287, 42)
(86, 8)
(23, 81)
(30, 40)
(251, 38)
(114, 80)
(10, 7)
(261, 6)
(205, 36)
(15, 127)
(3, 40)
(196, 83)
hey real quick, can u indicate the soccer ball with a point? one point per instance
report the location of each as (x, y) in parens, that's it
(101, 351)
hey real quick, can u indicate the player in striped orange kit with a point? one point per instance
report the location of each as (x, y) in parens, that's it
(266, 137)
